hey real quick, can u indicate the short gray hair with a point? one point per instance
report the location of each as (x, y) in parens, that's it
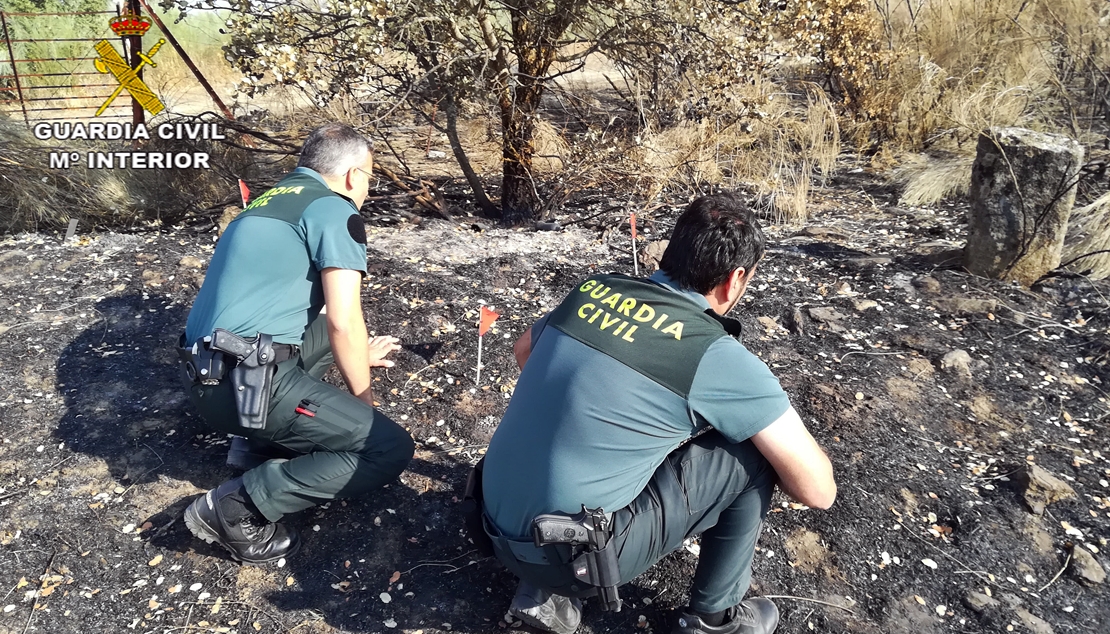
(334, 148)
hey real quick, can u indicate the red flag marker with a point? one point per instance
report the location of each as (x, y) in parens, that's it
(244, 192)
(635, 258)
(488, 317)
(484, 323)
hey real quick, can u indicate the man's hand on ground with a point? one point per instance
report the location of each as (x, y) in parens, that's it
(379, 347)
(804, 471)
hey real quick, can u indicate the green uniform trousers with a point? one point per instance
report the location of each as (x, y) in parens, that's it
(709, 486)
(339, 446)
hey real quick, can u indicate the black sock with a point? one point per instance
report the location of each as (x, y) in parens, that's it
(714, 619)
(238, 506)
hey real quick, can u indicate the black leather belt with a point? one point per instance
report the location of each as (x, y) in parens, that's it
(214, 371)
(283, 352)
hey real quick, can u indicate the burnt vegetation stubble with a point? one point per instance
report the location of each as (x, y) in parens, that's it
(916, 448)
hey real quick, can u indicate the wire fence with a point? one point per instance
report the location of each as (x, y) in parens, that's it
(47, 78)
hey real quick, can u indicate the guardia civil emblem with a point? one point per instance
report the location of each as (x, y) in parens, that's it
(109, 61)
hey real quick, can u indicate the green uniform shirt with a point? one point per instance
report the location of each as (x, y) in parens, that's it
(585, 428)
(265, 273)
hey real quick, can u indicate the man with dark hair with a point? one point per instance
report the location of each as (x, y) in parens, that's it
(281, 302)
(617, 383)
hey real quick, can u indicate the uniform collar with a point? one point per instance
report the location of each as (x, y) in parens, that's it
(731, 326)
(311, 172)
(314, 174)
(660, 277)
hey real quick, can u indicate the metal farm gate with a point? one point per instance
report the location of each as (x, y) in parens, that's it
(45, 86)
(81, 77)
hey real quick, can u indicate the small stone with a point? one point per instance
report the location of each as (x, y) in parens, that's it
(821, 233)
(385, 597)
(977, 601)
(1036, 624)
(1039, 488)
(652, 254)
(927, 283)
(195, 587)
(769, 324)
(929, 563)
(826, 314)
(191, 262)
(965, 305)
(919, 368)
(868, 263)
(957, 362)
(1086, 567)
(941, 610)
(797, 322)
(390, 623)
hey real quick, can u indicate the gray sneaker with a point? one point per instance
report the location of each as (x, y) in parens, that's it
(546, 611)
(753, 616)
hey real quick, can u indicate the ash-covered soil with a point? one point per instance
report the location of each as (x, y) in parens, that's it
(859, 317)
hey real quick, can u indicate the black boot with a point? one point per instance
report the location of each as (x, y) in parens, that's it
(753, 616)
(227, 516)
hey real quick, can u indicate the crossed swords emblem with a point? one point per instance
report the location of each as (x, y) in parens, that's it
(111, 62)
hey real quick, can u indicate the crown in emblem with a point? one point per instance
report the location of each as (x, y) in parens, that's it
(129, 24)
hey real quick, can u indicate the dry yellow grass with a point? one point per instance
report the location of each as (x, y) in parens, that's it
(777, 155)
(928, 179)
(1089, 233)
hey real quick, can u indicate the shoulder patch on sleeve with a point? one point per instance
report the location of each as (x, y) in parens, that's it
(356, 228)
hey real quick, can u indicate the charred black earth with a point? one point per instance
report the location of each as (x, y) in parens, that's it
(931, 390)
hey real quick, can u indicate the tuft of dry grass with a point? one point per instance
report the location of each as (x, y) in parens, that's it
(37, 196)
(778, 154)
(961, 66)
(927, 180)
(1087, 246)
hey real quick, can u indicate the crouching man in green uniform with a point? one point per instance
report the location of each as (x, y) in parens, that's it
(281, 299)
(614, 383)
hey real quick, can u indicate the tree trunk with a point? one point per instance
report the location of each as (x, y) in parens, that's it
(519, 198)
(451, 109)
(534, 46)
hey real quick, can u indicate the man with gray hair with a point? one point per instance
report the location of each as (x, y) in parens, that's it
(280, 303)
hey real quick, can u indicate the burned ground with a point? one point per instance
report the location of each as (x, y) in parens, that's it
(858, 316)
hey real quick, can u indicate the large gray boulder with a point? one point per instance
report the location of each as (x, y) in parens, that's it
(1022, 192)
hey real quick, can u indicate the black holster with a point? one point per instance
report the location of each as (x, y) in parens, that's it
(589, 534)
(472, 511)
(253, 375)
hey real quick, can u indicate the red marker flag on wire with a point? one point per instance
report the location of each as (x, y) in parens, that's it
(635, 258)
(488, 317)
(484, 322)
(244, 192)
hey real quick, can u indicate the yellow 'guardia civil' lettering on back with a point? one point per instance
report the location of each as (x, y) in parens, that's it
(645, 313)
(264, 199)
